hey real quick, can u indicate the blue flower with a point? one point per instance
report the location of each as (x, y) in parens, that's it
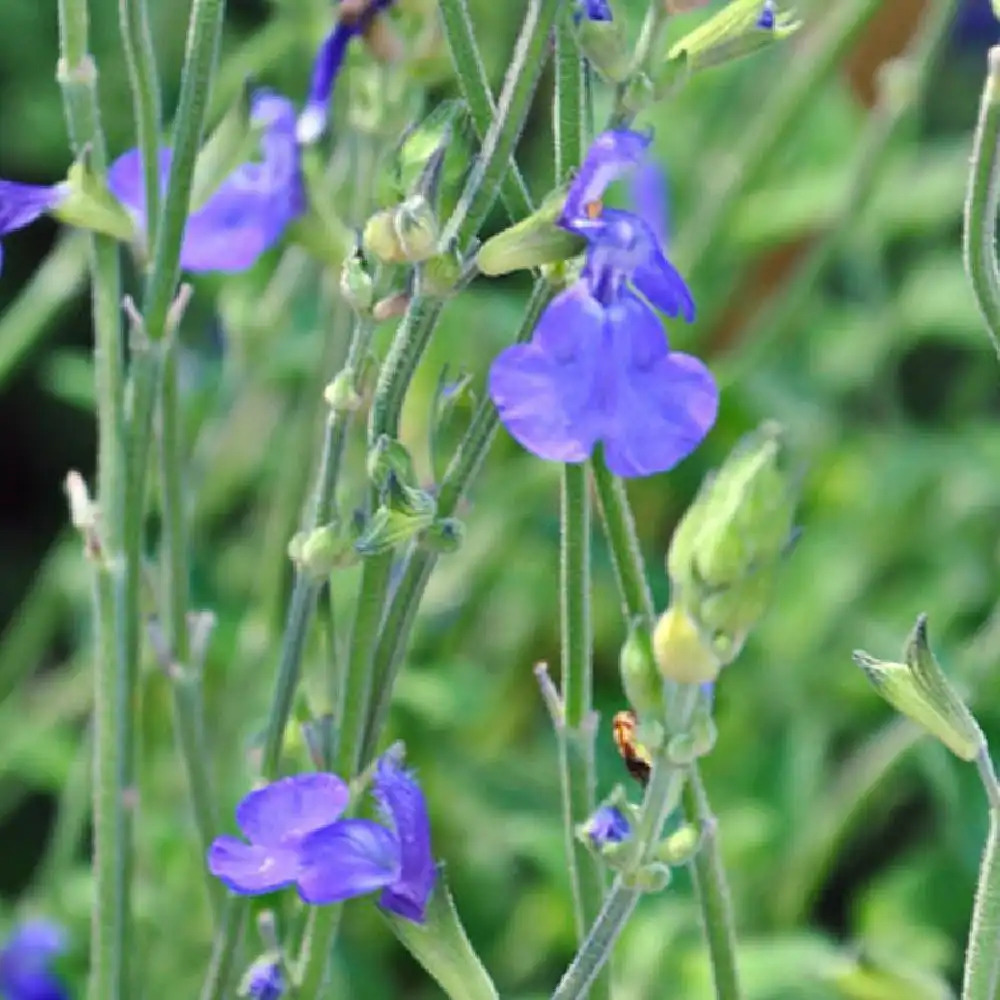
(329, 59)
(264, 980)
(248, 213)
(21, 204)
(26, 959)
(976, 26)
(768, 13)
(592, 10)
(607, 826)
(598, 368)
(296, 837)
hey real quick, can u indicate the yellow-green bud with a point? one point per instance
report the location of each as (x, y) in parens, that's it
(323, 550)
(727, 548)
(416, 229)
(653, 877)
(641, 681)
(380, 239)
(919, 690)
(532, 242)
(738, 29)
(88, 204)
(680, 847)
(681, 652)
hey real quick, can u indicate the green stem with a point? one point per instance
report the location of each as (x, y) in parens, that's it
(225, 948)
(711, 890)
(402, 610)
(526, 65)
(479, 97)
(112, 811)
(662, 794)
(204, 32)
(980, 233)
(140, 58)
(306, 588)
(317, 941)
(981, 980)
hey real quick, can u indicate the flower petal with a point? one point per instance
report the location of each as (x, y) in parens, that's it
(125, 180)
(330, 57)
(651, 200)
(251, 869)
(607, 826)
(21, 204)
(611, 155)
(543, 390)
(403, 805)
(282, 813)
(663, 285)
(665, 402)
(348, 858)
(250, 210)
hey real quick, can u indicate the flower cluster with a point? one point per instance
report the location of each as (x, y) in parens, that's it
(297, 837)
(251, 209)
(26, 959)
(598, 368)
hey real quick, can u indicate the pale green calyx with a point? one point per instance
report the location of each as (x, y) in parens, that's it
(739, 29)
(356, 284)
(605, 46)
(727, 548)
(341, 395)
(641, 680)
(681, 652)
(320, 551)
(88, 204)
(919, 689)
(532, 242)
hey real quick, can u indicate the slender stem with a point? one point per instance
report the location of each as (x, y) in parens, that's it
(402, 610)
(526, 65)
(662, 794)
(112, 708)
(710, 885)
(981, 980)
(140, 58)
(225, 948)
(317, 941)
(306, 588)
(477, 93)
(204, 32)
(980, 233)
(711, 890)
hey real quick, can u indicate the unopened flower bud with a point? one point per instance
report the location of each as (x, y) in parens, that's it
(321, 551)
(607, 826)
(603, 43)
(641, 681)
(726, 550)
(356, 284)
(680, 847)
(441, 274)
(341, 395)
(682, 653)
(919, 690)
(652, 877)
(408, 232)
(444, 536)
(264, 979)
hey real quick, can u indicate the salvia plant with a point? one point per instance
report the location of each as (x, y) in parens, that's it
(380, 205)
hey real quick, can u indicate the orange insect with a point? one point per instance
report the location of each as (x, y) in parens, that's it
(637, 758)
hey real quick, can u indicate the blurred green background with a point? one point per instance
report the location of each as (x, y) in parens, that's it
(821, 233)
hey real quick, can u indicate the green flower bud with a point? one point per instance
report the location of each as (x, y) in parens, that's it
(604, 45)
(341, 395)
(380, 239)
(641, 681)
(356, 284)
(389, 458)
(739, 29)
(391, 526)
(318, 553)
(441, 274)
(919, 690)
(444, 536)
(727, 548)
(680, 847)
(532, 242)
(653, 877)
(681, 651)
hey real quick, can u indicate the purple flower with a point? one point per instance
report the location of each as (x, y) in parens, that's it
(598, 368)
(607, 826)
(264, 979)
(25, 962)
(329, 59)
(248, 213)
(592, 10)
(767, 16)
(295, 836)
(976, 26)
(21, 204)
